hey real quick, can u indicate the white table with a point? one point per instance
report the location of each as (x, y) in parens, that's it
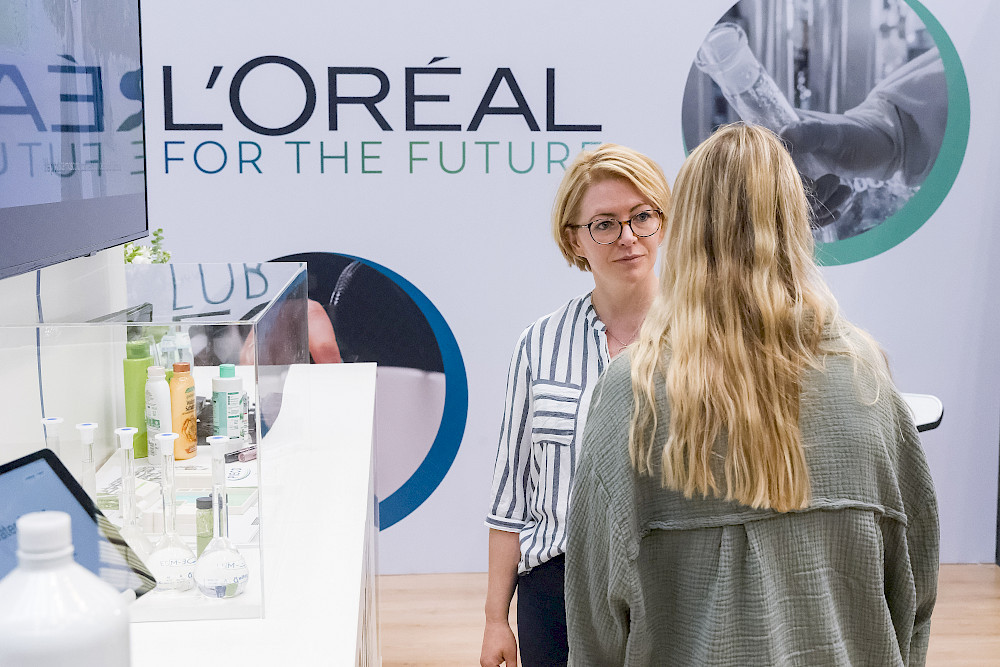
(927, 410)
(317, 539)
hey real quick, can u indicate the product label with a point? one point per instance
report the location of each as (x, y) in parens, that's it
(154, 424)
(189, 430)
(229, 410)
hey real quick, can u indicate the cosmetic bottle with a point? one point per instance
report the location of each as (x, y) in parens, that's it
(229, 404)
(221, 570)
(56, 612)
(88, 469)
(137, 360)
(50, 429)
(157, 410)
(185, 424)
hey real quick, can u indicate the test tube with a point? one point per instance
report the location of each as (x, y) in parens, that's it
(130, 519)
(50, 428)
(725, 56)
(165, 443)
(88, 471)
(220, 509)
(127, 496)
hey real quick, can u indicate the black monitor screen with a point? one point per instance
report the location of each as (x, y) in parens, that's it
(72, 164)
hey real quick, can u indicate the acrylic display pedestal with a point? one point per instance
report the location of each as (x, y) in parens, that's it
(317, 541)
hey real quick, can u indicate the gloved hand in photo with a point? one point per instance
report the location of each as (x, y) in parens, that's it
(849, 145)
(827, 196)
(896, 130)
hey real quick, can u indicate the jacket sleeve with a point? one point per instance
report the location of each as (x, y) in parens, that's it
(600, 571)
(597, 615)
(922, 530)
(511, 487)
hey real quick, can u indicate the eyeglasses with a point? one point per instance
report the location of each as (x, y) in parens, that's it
(608, 230)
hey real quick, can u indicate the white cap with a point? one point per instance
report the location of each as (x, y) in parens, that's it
(123, 432)
(45, 534)
(166, 443)
(86, 430)
(220, 443)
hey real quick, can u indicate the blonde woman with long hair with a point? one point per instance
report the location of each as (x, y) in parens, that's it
(752, 489)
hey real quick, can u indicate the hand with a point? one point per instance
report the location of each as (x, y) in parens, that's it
(499, 645)
(849, 145)
(826, 195)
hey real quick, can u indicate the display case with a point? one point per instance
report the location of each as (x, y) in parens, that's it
(85, 360)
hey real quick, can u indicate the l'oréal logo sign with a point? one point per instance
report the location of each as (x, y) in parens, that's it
(248, 143)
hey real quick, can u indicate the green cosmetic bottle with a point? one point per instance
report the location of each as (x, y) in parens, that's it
(137, 360)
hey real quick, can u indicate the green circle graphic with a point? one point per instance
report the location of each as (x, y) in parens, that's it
(925, 201)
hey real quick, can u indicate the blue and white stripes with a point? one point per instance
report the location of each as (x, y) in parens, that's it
(552, 374)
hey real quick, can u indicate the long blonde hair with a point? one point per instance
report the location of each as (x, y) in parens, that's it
(740, 315)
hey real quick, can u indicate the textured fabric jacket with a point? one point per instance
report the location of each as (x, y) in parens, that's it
(653, 578)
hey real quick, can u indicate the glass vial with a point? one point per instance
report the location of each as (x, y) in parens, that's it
(50, 429)
(126, 499)
(88, 470)
(203, 522)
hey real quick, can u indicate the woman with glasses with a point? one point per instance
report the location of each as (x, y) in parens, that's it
(752, 489)
(608, 220)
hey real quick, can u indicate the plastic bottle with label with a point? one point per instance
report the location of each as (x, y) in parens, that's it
(229, 404)
(137, 360)
(157, 409)
(55, 612)
(182, 412)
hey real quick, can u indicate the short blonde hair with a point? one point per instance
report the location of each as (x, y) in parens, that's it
(604, 162)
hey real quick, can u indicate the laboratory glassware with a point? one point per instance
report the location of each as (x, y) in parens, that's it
(172, 560)
(221, 570)
(88, 470)
(130, 521)
(50, 428)
(725, 56)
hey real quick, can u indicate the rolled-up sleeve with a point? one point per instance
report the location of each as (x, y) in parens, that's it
(511, 486)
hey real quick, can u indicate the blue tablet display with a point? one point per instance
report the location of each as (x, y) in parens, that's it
(39, 482)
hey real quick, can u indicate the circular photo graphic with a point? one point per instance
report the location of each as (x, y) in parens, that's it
(868, 95)
(359, 311)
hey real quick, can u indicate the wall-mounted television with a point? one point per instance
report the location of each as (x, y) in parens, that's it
(72, 163)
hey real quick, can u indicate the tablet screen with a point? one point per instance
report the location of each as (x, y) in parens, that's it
(39, 482)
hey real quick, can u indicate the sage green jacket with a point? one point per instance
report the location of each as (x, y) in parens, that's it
(653, 578)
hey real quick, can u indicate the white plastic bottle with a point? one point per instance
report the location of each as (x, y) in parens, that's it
(56, 612)
(158, 418)
(229, 404)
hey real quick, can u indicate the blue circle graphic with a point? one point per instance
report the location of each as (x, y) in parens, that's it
(431, 471)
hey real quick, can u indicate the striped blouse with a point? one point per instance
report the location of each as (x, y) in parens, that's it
(552, 375)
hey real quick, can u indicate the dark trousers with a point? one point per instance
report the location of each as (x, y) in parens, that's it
(541, 615)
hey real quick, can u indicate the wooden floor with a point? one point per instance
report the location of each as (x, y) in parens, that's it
(437, 619)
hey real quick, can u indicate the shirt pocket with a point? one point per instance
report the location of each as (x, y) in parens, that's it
(555, 406)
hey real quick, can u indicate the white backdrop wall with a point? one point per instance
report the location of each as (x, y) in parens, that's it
(476, 242)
